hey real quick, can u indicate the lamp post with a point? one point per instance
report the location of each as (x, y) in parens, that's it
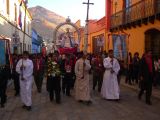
(86, 26)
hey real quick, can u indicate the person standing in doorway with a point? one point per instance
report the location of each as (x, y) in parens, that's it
(135, 67)
(129, 74)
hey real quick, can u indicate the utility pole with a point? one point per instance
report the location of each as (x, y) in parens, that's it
(86, 26)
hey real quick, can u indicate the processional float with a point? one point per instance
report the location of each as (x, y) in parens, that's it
(68, 40)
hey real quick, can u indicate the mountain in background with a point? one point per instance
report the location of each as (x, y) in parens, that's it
(45, 21)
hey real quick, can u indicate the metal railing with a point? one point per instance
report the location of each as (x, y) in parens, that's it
(137, 11)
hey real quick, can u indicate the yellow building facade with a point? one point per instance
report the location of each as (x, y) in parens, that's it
(140, 21)
(97, 36)
(136, 22)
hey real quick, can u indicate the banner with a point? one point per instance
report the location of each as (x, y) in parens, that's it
(2, 53)
(67, 50)
(100, 41)
(119, 46)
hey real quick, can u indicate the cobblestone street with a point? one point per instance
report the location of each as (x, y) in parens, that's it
(129, 108)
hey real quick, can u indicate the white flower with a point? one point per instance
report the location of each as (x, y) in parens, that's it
(54, 63)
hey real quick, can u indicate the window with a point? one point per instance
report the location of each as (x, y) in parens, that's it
(7, 6)
(24, 47)
(28, 48)
(128, 10)
(15, 14)
(28, 27)
(21, 47)
(128, 3)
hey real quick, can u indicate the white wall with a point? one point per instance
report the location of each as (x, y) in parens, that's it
(7, 29)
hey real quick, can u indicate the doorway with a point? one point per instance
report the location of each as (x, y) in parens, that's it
(152, 42)
(98, 43)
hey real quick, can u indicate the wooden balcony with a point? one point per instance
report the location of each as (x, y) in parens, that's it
(140, 13)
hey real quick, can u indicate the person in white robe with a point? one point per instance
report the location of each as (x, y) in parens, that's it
(25, 69)
(110, 88)
(82, 88)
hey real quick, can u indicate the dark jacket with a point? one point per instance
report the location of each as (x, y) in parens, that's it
(144, 70)
(4, 75)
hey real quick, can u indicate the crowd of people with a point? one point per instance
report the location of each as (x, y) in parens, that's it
(68, 72)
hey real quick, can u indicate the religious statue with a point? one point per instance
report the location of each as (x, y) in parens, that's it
(67, 40)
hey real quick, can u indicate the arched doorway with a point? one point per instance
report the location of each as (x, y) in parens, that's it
(152, 41)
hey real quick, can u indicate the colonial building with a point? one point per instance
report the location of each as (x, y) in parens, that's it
(128, 26)
(15, 24)
(139, 20)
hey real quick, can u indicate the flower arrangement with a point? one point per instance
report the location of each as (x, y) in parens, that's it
(53, 68)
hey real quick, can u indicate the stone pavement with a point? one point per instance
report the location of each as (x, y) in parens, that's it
(129, 108)
(155, 90)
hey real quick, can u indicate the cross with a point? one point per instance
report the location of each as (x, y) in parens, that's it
(88, 3)
(86, 32)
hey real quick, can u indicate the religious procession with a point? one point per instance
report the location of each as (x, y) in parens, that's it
(52, 68)
(69, 74)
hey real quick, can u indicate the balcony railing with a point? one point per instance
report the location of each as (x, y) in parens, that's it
(138, 11)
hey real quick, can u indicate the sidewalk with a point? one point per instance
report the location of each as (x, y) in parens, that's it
(155, 91)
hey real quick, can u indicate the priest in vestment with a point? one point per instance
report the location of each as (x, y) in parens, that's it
(82, 89)
(110, 88)
(25, 69)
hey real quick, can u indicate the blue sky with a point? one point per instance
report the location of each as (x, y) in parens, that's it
(73, 8)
